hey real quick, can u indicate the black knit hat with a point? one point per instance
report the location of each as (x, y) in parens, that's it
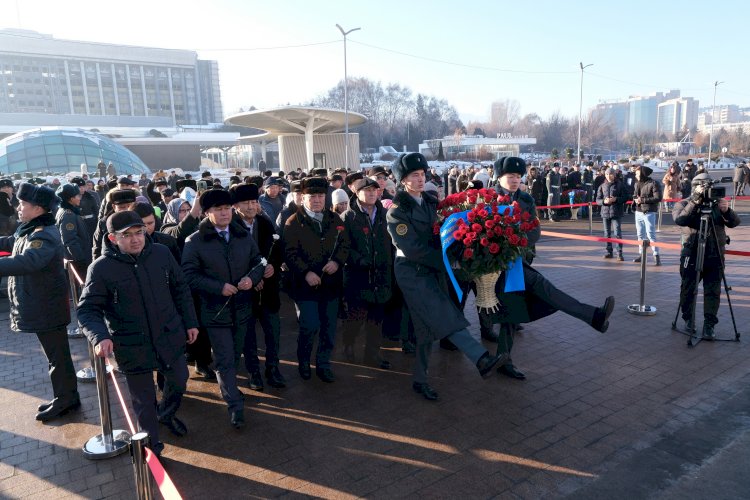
(314, 185)
(243, 192)
(144, 209)
(215, 198)
(408, 163)
(41, 196)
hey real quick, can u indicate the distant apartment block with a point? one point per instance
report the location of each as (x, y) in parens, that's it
(49, 82)
(676, 115)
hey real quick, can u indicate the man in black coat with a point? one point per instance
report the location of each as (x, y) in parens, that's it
(120, 200)
(687, 214)
(315, 250)
(38, 292)
(222, 264)
(137, 305)
(8, 204)
(266, 301)
(89, 205)
(368, 272)
(611, 197)
(75, 235)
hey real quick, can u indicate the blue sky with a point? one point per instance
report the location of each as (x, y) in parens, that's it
(637, 47)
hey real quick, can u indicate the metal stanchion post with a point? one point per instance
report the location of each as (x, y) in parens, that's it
(641, 309)
(110, 442)
(658, 223)
(732, 203)
(75, 332)
(591, 219)
(143, 486)
(87, 374)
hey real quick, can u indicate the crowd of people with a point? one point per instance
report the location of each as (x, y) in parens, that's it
(178, 272)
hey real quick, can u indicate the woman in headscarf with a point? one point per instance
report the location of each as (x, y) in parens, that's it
(181, 220)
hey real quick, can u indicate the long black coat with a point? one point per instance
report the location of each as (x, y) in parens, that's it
(89, 208)
(181, 230)
(419, 268)
(37, 286)
(306, 248)
(169, 242)
(369, 269)
(263, 235)
(142, 304)
(209, 262)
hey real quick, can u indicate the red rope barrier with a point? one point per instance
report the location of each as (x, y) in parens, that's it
(163, 481)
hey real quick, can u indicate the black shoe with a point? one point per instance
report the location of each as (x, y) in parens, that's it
(637, 259)
(608, 255)
(237, 419)
(205, 371)
(349, 353)
(447, 345)
(486, 363)
(325, 374)
(689, 326)
(256, 381)
(518, 327)
(601, 316)
(304, 370)
(408, 348)
(425, 390)
(708, 332)
(657, 258)
(378, 363)
(490, 336)
(44, 406)
(175, 425)
(57, 409)
(274, 377)
(510, 371)
(620, 257)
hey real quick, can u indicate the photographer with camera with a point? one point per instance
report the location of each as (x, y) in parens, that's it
(704, 201)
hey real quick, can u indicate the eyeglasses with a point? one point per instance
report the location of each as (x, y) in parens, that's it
(184, 210)
(131, 235)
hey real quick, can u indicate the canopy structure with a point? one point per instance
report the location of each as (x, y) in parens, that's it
(298, 120)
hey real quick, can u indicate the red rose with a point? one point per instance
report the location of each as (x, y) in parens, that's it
(483, 213)
(525, 216)
(458, 235)
(508, 231)
(494, 248)
(514, 240)
(339, 228)
(471, 216)
(484, 242)
(489, 224)
(477, 228)
(497, 218)
(506, 211)
(366, 230)
(472, 199)
(467, 242)
(524, 242)
(468, 253)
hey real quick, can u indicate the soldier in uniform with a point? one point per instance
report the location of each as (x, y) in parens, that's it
(265, 301)
(315, 250)
(89, 205)
(421, 274)
(553, 190)
(75, 235)
(8, 204)
(38, 292)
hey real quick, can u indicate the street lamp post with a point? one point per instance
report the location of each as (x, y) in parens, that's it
(580, 112)
(346, 99)
(711, 130)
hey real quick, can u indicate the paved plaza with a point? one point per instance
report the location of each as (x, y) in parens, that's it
(633, 413)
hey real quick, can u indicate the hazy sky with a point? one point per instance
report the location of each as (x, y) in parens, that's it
(470, 53)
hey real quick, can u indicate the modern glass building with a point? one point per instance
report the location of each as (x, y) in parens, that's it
(46, 81)
(64, 150)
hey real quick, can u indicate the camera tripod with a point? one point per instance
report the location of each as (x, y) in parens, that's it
(706, 230)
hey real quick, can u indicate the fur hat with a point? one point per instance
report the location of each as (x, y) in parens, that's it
(78, 181)
(118, 196)
(509, 165)
(314, 185)
(215, 198)
(353, 177)
(243, 192)
(6, 183)
(408, 163)
(40, 196)
(296, 186)
(319, 172)
(67, 191)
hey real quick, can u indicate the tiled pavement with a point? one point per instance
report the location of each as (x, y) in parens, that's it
(632, 413)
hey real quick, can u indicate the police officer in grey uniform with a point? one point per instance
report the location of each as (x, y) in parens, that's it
(420, 273)
(37, 280)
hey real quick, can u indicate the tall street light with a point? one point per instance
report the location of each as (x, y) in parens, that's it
(346, 98)
(711, 130)
(580, 112)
